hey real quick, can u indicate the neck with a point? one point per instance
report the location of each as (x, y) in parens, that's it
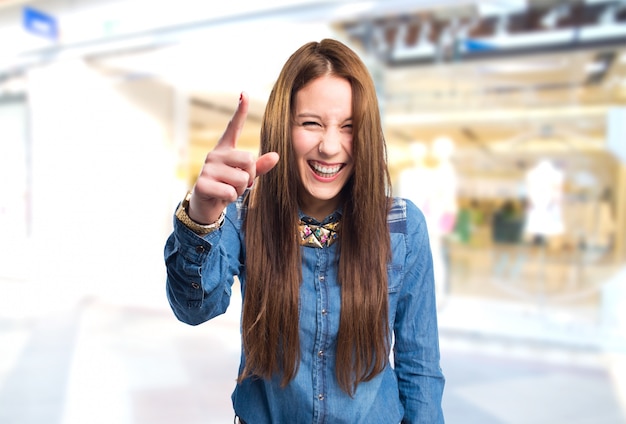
(318, 209)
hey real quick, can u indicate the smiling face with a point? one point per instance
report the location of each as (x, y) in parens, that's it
(322, 143)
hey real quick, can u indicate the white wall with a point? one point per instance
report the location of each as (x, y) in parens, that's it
(13, 189)
(103, 185)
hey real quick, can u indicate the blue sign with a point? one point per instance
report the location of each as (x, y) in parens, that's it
(477, 46)
(40, 23)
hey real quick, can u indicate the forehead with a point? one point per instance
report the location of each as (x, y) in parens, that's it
(327, 92)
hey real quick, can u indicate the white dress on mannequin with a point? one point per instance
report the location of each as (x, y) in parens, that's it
(413, 181)
(544, 185)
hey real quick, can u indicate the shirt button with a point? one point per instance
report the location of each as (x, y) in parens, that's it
(324, 311)
(321, 278)
(195, 285)
(320, 396)
(320, 353)
(200, 249)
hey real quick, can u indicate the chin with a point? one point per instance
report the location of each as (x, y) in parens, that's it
(321, 196)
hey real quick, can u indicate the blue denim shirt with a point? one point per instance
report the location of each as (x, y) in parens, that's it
(200, 273)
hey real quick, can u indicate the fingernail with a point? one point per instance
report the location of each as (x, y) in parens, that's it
(240, 97)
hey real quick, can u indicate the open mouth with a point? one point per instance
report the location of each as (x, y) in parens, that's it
(325, 171)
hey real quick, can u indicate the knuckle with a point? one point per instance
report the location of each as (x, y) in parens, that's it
(231, 194)
(243, 178)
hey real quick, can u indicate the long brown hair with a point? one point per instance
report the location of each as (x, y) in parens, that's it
(273, 262)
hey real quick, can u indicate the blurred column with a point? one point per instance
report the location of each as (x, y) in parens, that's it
(14, 222)
(620, 213)
(103, 169)
(181, 152)
(615, 136)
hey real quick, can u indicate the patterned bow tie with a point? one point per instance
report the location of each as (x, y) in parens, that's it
(319, 236)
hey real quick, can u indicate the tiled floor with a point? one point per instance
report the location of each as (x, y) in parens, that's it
(92, 362)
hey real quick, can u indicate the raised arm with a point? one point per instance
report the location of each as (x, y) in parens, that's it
(204, 253)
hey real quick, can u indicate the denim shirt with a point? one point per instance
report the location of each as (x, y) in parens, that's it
(200, 274)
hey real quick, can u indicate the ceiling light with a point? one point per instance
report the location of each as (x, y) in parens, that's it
(353, 9)
(488, 9)
(552, 18)
(595, 67)
(522, 67)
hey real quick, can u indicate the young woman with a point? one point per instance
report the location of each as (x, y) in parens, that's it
(335, 274)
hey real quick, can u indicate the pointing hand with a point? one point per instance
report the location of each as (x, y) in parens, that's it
(227, 172)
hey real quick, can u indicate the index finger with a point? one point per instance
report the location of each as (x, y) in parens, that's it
(235, 125)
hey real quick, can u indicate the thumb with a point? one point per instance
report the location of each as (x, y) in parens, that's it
(266, 162)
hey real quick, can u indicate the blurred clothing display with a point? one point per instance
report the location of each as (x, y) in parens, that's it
(508, 224)
(544, 185)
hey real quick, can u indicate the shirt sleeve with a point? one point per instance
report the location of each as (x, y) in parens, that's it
(416, 346)
(201, 269)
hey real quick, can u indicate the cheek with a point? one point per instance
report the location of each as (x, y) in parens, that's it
(303, 143)
(347, 145)
(296, 144)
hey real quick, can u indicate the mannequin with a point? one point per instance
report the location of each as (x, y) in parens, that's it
(431, 183)
(445, 180)
(412, 182)
(544, 187)
(600, 223)
(545, 225)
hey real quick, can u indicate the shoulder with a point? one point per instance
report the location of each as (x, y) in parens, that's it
(404, 215)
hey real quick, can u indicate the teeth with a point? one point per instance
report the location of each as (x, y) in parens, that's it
(325, 170)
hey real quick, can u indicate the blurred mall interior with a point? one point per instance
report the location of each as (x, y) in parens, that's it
(505, 122)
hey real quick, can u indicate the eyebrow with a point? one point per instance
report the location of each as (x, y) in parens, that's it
(313, 115)
(308, 115)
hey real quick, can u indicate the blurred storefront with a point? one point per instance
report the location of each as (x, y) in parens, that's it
(532, 100)
(505, 123)
(525, 200)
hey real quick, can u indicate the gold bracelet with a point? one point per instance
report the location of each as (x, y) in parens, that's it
(200, 229)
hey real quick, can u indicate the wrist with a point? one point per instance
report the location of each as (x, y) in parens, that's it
(182, 214)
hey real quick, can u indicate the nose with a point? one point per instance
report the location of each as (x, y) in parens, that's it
(331, 142)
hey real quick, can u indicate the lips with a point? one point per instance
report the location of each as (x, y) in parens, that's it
(324, 170)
